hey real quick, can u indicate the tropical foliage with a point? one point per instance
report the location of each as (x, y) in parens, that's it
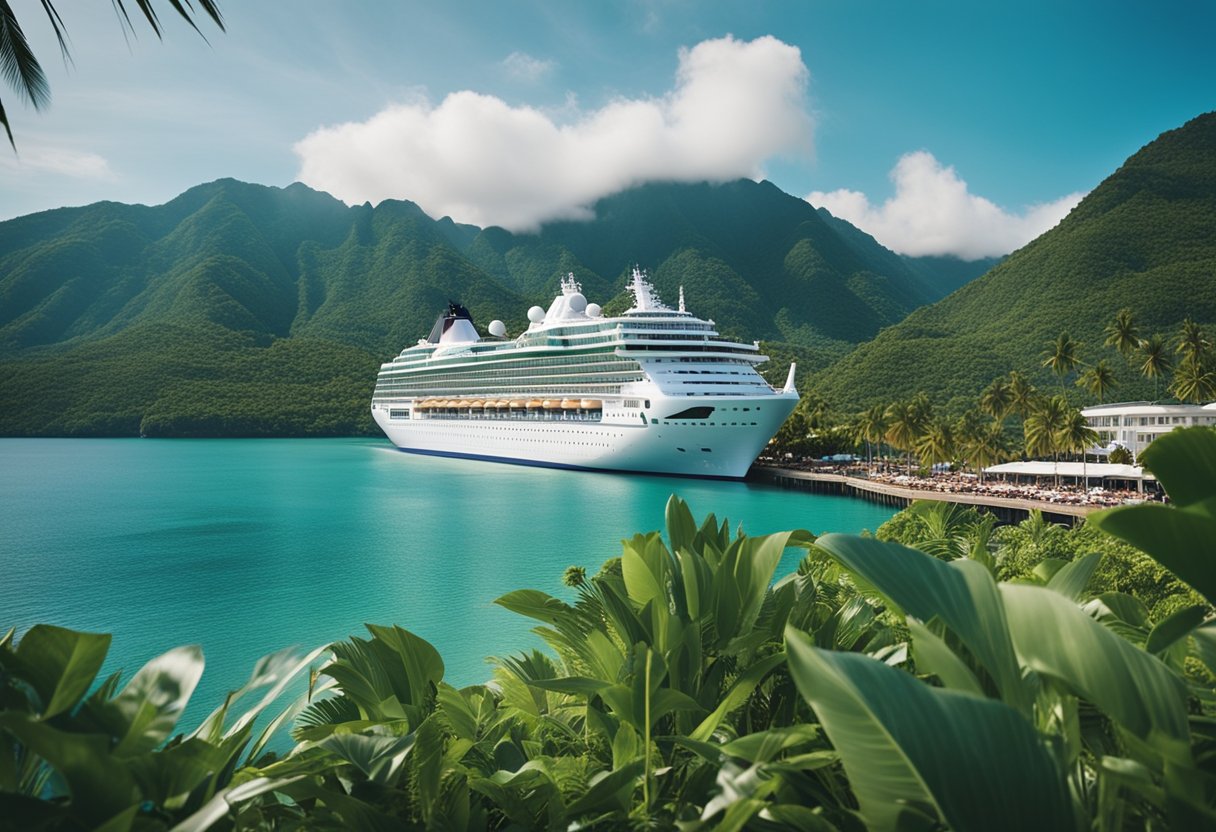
(683, 688)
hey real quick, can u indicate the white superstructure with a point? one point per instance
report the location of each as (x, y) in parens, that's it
(1135, 424)
(656, 390)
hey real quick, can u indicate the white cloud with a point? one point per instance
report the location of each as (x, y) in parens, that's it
(477, 159)
(63, 161)
(933, 212)
(523, 67)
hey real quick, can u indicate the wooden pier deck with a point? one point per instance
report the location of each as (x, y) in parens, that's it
(1006, 509)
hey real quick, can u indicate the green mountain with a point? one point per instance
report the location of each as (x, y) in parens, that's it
(937, 276)
(238, 309)
(1145, 238)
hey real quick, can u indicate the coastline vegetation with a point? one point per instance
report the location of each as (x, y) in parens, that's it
(1011, 417)
(680, 686)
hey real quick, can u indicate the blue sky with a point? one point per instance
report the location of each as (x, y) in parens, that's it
(939, 127)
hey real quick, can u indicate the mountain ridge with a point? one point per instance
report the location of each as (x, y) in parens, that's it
(230, 280)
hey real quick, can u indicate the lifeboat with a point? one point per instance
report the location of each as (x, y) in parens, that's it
(569, 404)
(535, 404)
(516, 404)
(551, 404)
(592, 404)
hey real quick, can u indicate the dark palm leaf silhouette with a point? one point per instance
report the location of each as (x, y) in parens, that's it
(23, 72)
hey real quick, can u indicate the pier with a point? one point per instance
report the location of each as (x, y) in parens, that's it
(1006, 510)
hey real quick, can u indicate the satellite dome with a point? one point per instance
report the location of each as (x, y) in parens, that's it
(498, 329)
(594, 310)
(536, 314)
(577, 302)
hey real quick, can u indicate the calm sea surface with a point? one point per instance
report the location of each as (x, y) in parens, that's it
(246, 546)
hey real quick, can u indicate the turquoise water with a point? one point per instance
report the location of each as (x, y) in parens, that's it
(246, 546)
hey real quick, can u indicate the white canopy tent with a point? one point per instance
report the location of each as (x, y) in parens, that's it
(1091, 471)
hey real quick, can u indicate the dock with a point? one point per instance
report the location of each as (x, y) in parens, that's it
(1006, 509)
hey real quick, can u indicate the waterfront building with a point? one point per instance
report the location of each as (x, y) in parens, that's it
(1134, 425)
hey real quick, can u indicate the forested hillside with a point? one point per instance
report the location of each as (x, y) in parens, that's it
(1145, 239)
(239, 309)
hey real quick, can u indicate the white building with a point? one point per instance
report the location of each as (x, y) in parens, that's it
(1135, 424)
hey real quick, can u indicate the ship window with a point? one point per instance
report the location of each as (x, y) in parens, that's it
(692, 413)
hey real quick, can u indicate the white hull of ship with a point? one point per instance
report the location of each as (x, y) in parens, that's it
(724, 445)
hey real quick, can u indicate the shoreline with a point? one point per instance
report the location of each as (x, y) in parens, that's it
(1006, 509)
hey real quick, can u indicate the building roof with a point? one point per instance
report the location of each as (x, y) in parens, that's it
(1146, 409)
(1046, 468)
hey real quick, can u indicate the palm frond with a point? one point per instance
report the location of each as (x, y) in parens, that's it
(17, 62)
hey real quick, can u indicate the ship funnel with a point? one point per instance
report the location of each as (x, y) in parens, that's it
(789, 381)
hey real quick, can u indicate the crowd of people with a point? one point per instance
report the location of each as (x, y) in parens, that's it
(953, 482)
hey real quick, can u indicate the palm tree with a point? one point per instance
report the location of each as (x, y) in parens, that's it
(1043, 428)
(997, 398)
(1098, 380)
(988, 447)
(904, 425)
(1193, 381)
(1155, 361)
(1192, 343)
(935, 443)
(1075, 435)
(22, 70)
(871, 427)
(1123, 333)
(1022, 394)
(1062, 356)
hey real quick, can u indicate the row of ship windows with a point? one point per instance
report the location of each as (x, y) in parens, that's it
(398, 414)
(607, 375)
(527, 383)
(522, 372)
(570, 389)
(448, 435)
(568, 356)
(593, 359)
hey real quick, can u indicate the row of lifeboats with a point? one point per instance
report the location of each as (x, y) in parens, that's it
(514, 404)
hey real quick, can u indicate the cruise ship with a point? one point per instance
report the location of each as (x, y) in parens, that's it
(655, 390)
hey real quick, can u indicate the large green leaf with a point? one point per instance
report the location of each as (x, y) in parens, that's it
(534, 604)
(145, 712)
(646, 569)
(1072, 580)
(1181, 536)
(379, 757)
(912, 750)
(935, 658)
(420, 663)
(59, 664)
(1175, 627)
(1181, 540)
(961, 593)
(737, 695)
(1055, 637)
(681, 528)
(100, 786)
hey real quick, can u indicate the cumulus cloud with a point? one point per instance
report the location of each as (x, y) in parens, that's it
(933, 212)
(523, 67)
(475, 158)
